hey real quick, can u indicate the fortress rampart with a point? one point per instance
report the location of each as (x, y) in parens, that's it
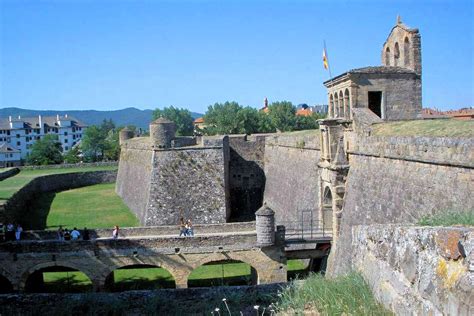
(400, 180)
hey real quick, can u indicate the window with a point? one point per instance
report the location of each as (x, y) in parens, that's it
(18, 143)
(66, 148)
(17, 135)
(65, 140)
(65, 133)
(8, 132)
(396, 55)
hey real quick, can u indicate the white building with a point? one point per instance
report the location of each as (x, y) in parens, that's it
(9, 156)
(21, 133)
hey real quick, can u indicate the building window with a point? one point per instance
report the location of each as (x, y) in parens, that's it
(8, 132)
(18, 143)
(396, 55)
(66, 148)
(65, 140)
(17, 135)
(65, 133)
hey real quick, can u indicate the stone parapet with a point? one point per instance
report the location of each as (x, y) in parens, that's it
(433, 150)
(300, 140)
(417, 270)
(127, 232)
(72, 165)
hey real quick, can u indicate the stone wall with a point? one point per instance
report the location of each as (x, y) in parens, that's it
(433, 150)
(246, 175)
(381, 190)
(16, 208)
(72, 165)
(133, 178)
(417, 270)
(401, 94)
(292, 175)
(189, 183)
(163, 301)
(9, 172)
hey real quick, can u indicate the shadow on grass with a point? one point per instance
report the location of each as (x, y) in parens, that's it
(222, 281)
(141, 283)
(37, 211)
(71, 284)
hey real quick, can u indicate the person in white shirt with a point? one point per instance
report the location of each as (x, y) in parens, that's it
(18, 231)
(75, 234)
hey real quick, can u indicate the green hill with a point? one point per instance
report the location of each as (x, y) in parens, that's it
(127, 116)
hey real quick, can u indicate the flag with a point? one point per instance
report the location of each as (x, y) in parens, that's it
(325, 59)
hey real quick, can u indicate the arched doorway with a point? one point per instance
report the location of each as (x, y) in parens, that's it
(327, 210)
(139, 277)
(223, 272)
(5, 285)
(58, 279)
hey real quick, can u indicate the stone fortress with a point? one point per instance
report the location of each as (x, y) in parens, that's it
(344, 178)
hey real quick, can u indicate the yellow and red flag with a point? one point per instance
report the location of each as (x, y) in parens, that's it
(325, 59)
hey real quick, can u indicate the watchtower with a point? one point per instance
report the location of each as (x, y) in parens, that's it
(162, 132)
(125, 134)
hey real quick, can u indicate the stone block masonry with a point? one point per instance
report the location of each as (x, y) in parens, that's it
(417, 270)
(160, 185)
(292, 173)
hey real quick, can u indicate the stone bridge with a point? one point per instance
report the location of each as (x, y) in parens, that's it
(255, 243)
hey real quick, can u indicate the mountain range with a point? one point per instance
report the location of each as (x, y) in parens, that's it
(127, 116)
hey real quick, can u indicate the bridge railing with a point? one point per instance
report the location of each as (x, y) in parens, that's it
(306, 230)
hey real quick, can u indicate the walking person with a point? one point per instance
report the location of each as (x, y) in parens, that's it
(18, 232)
(60, 233)
(115, 232)
(189, 228)
(10, 233)
(75, 234)
(67, 235)
(85, 234)
(182, 227)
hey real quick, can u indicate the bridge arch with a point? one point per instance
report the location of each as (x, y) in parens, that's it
(32, 279)
(215, 263)
(139, 276)
(6, 285)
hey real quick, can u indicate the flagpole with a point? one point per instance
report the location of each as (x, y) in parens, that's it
(330, 74)
(329, 66)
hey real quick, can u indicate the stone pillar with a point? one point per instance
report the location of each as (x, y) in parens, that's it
(265, 224)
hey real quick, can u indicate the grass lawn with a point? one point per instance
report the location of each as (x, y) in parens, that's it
(465, 218)
(95, 206)
(152, 278)
(9, 186)
(430, 128)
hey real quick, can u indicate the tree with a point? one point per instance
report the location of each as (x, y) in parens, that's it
(308, 122)
(282, 116)
(112, 150)
(93, 143)
(181, 117)
(46, 151)
(231, 118)
(73, 155)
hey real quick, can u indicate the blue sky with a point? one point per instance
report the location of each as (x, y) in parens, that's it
(109, 55)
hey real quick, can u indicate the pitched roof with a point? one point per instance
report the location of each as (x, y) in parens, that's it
(375, 70)
(304, 112)
(5, 148)
(199, 120)
(33, 122)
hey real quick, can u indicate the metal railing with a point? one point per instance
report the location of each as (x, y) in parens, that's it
(306, 230)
